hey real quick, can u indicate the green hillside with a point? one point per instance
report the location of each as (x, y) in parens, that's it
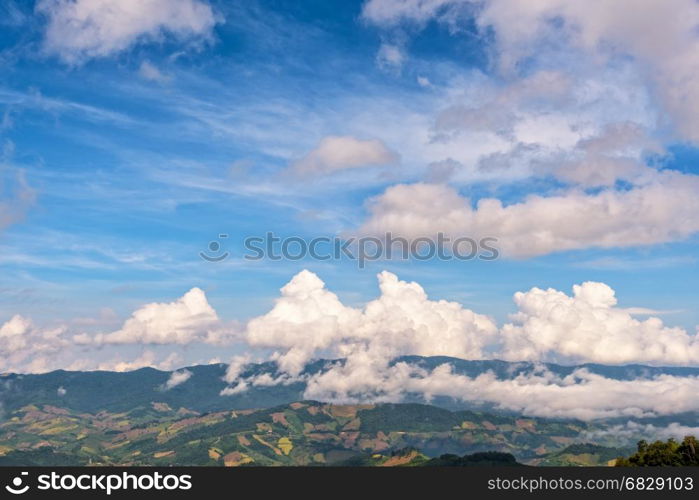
(301, 433)
(585, 454)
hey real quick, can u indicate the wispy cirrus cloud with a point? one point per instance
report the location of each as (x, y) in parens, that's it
(635, 263)
(14, 202)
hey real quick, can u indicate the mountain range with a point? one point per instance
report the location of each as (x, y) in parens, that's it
(133, 418)
(96, 391)
(300, 433)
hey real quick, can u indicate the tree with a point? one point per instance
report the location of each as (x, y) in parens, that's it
(663, 453)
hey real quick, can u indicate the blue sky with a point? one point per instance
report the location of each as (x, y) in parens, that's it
(126, 151)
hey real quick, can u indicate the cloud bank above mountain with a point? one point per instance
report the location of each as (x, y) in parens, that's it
(309, 322)
(581, 395)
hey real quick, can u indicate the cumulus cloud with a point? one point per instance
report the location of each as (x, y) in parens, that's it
(336, 153)
(588, 327)
(305, 320)
(27, 347)
(61, 391)
(78, 30)
(309, 320)
(663, 210)
(178, 377)
(188, 319)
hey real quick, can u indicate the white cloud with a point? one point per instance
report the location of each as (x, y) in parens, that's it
(305, 320)
(309, 321)
(582, 394)
(588, 327)
(635, 431)
(239, 388)
(236, 367)
(261, 380)
(335, 153)
(78, 30)
(61, 391)
(26, 347)
(178, 377)
(663, 210)
(233, 375)
(188, 319)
